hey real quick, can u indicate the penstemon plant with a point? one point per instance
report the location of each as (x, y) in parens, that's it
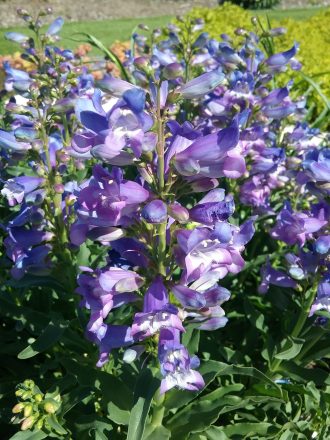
(190, 182)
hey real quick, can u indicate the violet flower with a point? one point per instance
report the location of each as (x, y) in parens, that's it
(177, 367)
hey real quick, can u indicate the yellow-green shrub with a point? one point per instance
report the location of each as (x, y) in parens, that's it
(312, 34)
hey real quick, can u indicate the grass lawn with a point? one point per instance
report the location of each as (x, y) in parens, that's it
(109, 31)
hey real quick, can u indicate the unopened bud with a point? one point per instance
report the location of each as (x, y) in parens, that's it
(18, 408)
(144, 27)
(254, 21)
(240, 32)
(28, 410)
(29, 383)
(141, 63)
(277, 31)
(27, 423)
(59, 188)
(178, 212)
(21, 11)
(40, 424)
(50, 406)
(155, 212)
(173, 70)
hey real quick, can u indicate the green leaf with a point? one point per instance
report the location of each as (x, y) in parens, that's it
(83, 255)
(47, 339)
(71, 399)
(291, 348)
(145, 389)
(215, 433)
(117, 415)
(113, 389)
(199, 415)
(190, 339)
(54, 424)
(36, 281)
(156, 433)
(107, 52)
(260, 428)
(29, 435)
(317, 375)
(93, 424)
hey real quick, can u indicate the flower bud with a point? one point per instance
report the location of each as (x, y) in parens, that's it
(173, 70)
(277, 31)
(178, 212)
(29, 383)
(27, 423)
(50, 407)
(59, 188)
(203, 184)
(201, 85)
(18, 408)
(141, 63)
(240, 32)
(155, 212)
(26, 395)
(144, 27)
(21, 12)
(254, 20)
(28, 410)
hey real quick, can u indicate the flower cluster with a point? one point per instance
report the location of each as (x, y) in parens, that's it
(147, 172)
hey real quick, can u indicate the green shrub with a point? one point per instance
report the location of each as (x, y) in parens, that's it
(254, 4)
(313, 37)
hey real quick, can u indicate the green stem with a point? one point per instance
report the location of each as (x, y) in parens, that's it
(158, 410)
(162, 248)
(160, 146)
(161, 185)
(308, 346)
(303, 315)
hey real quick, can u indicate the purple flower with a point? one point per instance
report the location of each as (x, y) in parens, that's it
(17, 188)
(275, 277)
(202, 303)
(255, 192)
(55, 27)
(282, 58)
(16, 37)
(101, 299)
(295, 227)
(157, 313)
(109, 337)
(213, 155)
(177, 367)
(106, 200)
(317, 167)
(212, 208)
(203, 84)
(118, 135)
(322, 300)
(9, 142)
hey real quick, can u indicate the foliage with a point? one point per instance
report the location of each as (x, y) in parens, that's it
(191, 181)
(255, 4)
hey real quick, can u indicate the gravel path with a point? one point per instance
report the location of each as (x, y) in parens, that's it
(77, 10)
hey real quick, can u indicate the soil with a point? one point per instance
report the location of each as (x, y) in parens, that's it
(77, 10)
